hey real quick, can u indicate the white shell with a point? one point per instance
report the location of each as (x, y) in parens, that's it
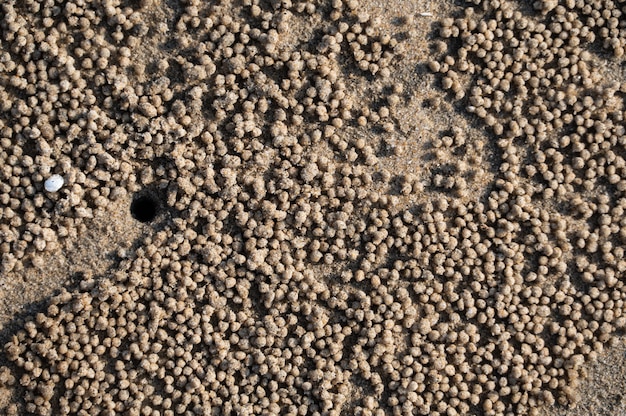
(54, 183)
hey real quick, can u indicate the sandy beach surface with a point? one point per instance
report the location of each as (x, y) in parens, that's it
(312, 207)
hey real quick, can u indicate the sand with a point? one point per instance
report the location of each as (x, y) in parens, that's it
(101, 243)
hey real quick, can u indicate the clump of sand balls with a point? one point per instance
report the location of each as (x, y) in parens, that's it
(558, 200)
(288, 278)
(87, 99)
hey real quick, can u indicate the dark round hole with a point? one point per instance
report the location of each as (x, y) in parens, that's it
(143, 208)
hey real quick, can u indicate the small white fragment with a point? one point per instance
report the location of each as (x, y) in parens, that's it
(426, 14)
(54, 183)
